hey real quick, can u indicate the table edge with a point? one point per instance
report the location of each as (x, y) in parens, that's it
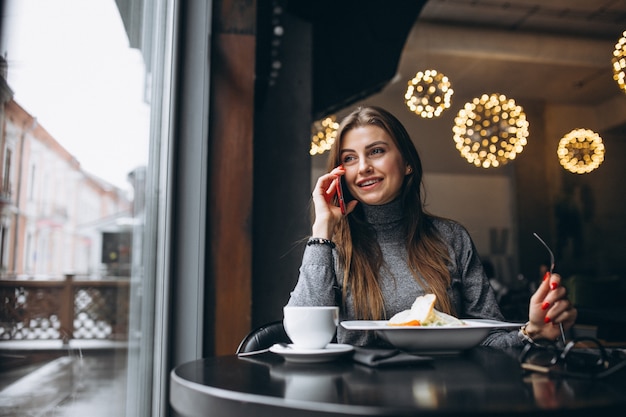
(223, 394)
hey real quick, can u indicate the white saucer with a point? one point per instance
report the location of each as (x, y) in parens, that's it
(331, 352)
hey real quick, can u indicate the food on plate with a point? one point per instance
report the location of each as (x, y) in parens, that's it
(424, 313)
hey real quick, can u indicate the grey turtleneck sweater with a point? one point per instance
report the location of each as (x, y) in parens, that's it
(321, 278)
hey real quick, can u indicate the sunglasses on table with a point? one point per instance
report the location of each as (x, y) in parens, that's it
(583, 357)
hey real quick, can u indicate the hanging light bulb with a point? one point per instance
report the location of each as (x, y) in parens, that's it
(619, 62)
(490, 131)
(428, 94)
(581, 151)
(323, 134)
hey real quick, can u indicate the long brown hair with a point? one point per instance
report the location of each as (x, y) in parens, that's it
(358, 249)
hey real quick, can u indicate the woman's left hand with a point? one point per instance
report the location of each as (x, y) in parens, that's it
(549, 308)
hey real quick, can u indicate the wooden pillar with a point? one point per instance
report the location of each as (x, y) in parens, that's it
(230, 171)
(66, 313)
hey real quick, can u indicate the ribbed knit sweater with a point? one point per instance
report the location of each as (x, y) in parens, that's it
(321, 278)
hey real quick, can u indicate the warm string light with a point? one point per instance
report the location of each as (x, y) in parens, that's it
(490, 131)
(323, 134)
(581, 151)
(619, 62)
(428, 94)
(278, 32)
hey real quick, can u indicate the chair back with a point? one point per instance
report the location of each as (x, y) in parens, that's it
(264, 337)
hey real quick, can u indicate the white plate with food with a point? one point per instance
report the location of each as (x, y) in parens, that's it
(423, 329)
(432, 339)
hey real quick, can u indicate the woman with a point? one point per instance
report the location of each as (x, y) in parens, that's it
(374, 260)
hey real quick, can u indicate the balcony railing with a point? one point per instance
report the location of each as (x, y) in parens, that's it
(64, 309)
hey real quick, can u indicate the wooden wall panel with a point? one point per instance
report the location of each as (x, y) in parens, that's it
(230, 171)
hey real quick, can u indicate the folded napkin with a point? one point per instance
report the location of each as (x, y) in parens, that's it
(387, 357)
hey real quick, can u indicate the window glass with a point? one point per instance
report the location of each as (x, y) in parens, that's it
(81, 133)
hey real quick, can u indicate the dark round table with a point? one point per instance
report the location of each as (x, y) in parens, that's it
(481, 382)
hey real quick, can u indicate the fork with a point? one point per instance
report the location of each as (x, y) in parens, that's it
(551, 270)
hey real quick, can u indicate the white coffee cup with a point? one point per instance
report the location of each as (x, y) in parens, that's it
(310, 327)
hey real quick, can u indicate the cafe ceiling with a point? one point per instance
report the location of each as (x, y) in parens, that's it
(558, 51)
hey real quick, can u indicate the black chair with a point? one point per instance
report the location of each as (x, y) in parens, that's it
(264, 337)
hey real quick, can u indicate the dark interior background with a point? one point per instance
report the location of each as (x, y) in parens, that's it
(336, 55)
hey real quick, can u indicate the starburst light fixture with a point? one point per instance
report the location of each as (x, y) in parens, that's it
(581, 151)
(490, 131)
(428, 94)
(323, 134)
(619, 62)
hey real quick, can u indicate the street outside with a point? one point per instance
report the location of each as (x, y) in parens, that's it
(79, 383)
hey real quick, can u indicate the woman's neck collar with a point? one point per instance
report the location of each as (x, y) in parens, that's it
(384, 213)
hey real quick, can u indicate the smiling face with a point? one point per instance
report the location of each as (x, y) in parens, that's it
(375, 169)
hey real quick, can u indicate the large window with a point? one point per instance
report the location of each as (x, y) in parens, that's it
(84, 138)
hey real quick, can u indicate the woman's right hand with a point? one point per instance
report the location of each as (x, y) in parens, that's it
(326, 213)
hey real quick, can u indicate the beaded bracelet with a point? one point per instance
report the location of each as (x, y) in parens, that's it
(320, 241)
